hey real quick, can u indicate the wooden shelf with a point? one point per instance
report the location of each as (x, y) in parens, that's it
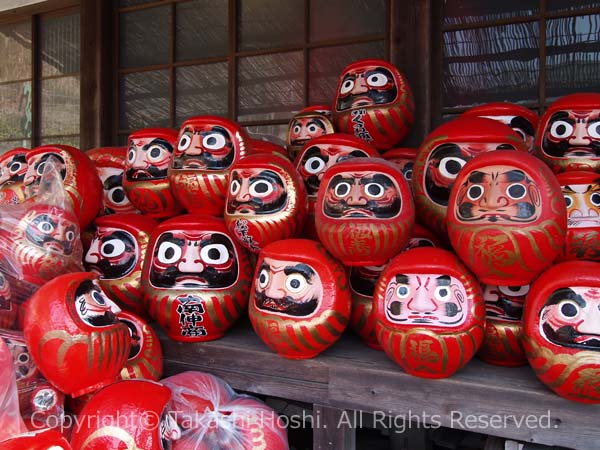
(506, 402)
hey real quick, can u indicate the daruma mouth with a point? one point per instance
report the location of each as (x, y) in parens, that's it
(190, 281)
(580, 152)
(362, 101)
(357, 212)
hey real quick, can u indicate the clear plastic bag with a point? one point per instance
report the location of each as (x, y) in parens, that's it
(213, 417)
(11, 424)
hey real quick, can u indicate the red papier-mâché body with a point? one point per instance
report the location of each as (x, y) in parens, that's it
(310, 123)
(13, 167)
(145, 357)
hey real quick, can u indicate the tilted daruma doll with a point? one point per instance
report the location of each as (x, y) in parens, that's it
(317, 156)
(374, 103)
(562, 330)
(300, 302)
(308, 124)
(130, 414)
(521, 119)
(503, 325)
(507, 218)
(429, 312)
(146, 183)
(364, 212)
(266, 201)
(80, 179)
(568, 137)
(116, 254)
(196, 278)
(145, 356)
(206, 149)
(13, 167)
(443, 154)
(581, 191)
(73, 334)
(110, 164)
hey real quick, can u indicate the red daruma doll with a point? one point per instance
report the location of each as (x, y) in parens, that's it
(568, 137)
(300, 303)
(266, 201)
(364, 213)
(581, 191)
(310, 123)
(196, 278)
(507, 218)
(145, 356)
(73, 334)
(429, 312)
(13, 167)
(206, 149)
(562, 330)
(148, 160)
(374, 103)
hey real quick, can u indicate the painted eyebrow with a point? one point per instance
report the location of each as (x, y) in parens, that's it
(317, 123)
(515, 175)
(302, 269)
(565, 294)
(403, 279)
(443, 280)
(561, 115)
(269, 175)
(264, 266)
(378, 178)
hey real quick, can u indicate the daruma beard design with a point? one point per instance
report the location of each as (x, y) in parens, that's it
(113, 253)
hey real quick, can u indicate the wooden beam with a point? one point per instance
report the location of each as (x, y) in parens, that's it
(11, 9)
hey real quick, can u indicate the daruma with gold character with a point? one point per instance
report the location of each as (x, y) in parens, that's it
(364, 212)
(507, 218)
(266, 201)
(562, 330)
(146, 183)
(429, 312)
(145, 356)
(374, 103)
(206, 149)
(73, 334)
(300, 302)
(196, 278)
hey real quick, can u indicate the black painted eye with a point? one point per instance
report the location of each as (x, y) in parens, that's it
(23, 358)
(40, 168)
(568, 201)
(155, 153)
(70, 235)
(185, 141)
(314, 165)
(214, 141)
(131, 155)
(377, 80)
(295, 283)
(595, 199)
(402, 290)
(569, 309)
(168, 253)
(45, 227)
(594, 130)
(235, 187)
(505, 147)
(450, 166)
(117, 195)
(374, 190)
(342, 190)
(15, 167)
(260, 188)
(475, 192)
(442, 293)
(99, 298)
(516, 191)
(214, 254)
(347, 86)
(514, 291)
(112, 248)
(263, 279)
(561, 129)
(297, 129)
(312, 128)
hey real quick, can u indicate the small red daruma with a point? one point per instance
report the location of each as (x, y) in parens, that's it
(364, 212)
(562, 330)
(300, 302)
(145, 356)
(429, 312)
(507, 217)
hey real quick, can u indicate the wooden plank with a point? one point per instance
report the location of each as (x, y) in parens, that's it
(498, 401)
(332, 430)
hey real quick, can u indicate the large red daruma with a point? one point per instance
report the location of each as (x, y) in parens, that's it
(374, 103)
(300, 303)
(581, 191)
(429, 312)
(364, 212)
(507, 217)
(73, 334)
(562, 330)
(443, 154)
(568, 137)
(196, 278)
(266, 201)
(145, 180)
(206, 149)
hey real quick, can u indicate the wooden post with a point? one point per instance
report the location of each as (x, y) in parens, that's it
(332, 429)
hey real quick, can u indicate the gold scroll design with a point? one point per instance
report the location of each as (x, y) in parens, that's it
(192, 184)
(497, 344)
(587, 384)
(153, 196)
(112, 432)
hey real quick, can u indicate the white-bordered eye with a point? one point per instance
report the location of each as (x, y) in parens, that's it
(15, 167)
(23, 358)
(374, 190)
(99, 298)
(117, 195)
(235, 187)
(214, 141)
(168, 253)
(377, 80)
(70, 235)
(475, 192)
(561, 129)
(568, 201)
(295, 283)
(514, 291)
(568, 309)
(594, 130)
(45, 226)
(342, 190)
(347, 86)
(40, 168)
(442, 293)
(131, 154)
(402, 290)
(112, 248)
(516, 191)
(314, 165)
(185, 141)
(263, 278)
(260, 188)
(297, 128)
(155, 153)
(214, 254)
(312, 128)
(450, 166)
(595, 199)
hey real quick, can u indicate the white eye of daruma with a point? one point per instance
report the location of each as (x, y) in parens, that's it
(561, 129)
(342, 190)
(214, 141)
(235, 187)
(263, 278)
(45, 227)
(168, 253)
(442, 293)
(594, 130)
(347, 86)
(214, 254)
(295, 283)
(15, 167)
(474, 192)
(514, 291)
(374, 190)
(131, 154)
(450, 166)
(402, 291)
(260, 188)
(314, 165)
(516, 191)
(185, 141)
(377, 80)
(155, 153)
(112, 248)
